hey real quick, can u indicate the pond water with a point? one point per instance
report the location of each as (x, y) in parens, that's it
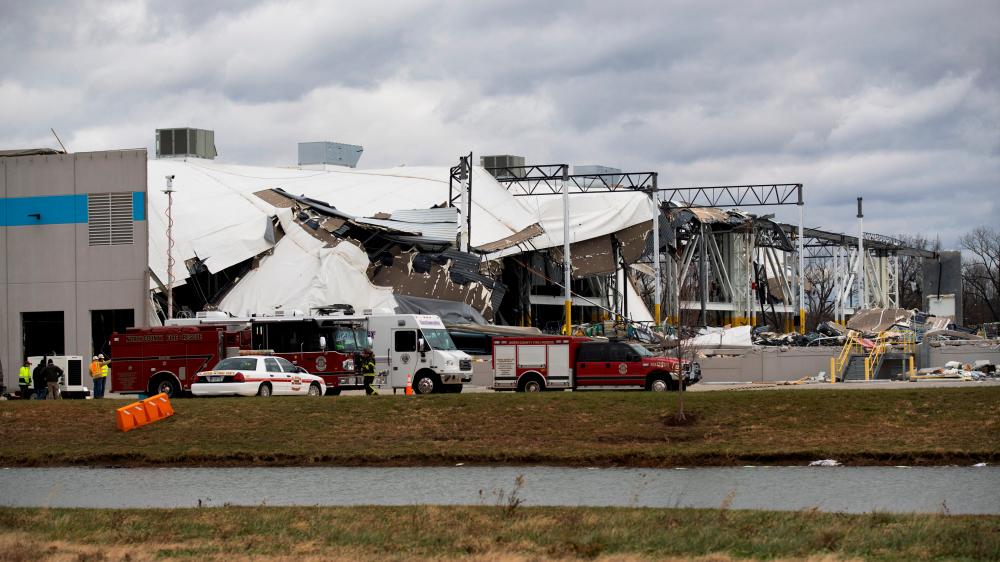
(968, 490)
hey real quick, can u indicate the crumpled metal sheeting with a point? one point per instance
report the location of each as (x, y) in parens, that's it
(596, 256)
(635, 241)
(518, 237)
(450, 275)
(707, 215)
(875, 320)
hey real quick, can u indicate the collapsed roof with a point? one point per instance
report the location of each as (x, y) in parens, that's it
(363, 236)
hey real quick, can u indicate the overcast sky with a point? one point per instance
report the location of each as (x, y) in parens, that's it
(898, 102)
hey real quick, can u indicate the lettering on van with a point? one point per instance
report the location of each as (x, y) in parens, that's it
(163, 338)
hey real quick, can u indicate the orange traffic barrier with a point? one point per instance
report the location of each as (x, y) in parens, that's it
(131, 416)
(152, 412)
(137, 414)
(409, 387)
(158, 407)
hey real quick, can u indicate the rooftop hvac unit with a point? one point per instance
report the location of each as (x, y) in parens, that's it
(199, 143)
(333, 153)
(503, 161)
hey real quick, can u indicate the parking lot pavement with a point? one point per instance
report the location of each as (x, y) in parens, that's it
(710, 387)
(873, 385)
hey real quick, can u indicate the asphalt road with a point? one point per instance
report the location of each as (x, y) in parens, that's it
(715, 387)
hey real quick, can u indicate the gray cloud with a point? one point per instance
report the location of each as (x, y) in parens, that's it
(896, 101)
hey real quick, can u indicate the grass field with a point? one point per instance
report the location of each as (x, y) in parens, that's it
(489, 533)
(906, 426)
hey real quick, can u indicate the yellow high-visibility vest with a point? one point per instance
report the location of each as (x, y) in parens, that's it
(104, 369)
(25, 375)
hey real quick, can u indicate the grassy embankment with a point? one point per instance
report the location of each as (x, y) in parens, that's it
(906, 426)
(489, 533)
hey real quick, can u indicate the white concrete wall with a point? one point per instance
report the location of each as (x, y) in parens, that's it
(52, 267)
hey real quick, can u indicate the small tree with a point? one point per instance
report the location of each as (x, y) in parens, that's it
(981, 272)
(685, 351)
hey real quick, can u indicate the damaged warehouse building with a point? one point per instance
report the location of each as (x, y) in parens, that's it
(483, 247)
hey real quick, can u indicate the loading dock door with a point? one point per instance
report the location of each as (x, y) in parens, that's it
(43, 333)
(103, 323)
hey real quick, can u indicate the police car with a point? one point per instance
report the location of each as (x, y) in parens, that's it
(257, 375)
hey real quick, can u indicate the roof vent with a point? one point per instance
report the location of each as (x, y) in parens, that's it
(199, 143)
(332, 153)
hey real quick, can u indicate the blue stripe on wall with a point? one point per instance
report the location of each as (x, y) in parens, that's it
(138, 206)
(56, 209)
(52, 209)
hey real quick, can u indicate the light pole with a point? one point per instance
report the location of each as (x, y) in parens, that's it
(567, 260)
(170, 246)
(863, 301)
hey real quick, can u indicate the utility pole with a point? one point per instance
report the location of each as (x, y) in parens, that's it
(654, 196)
(567, 262)
(802, 270)
(464, 203)
(170, 246)
(863, 301)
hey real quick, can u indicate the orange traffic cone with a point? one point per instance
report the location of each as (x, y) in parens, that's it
(409, 387)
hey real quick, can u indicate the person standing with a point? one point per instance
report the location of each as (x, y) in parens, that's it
(39, 379)
(24, 380)
(99, 373)
(368, 370)
(52, 374)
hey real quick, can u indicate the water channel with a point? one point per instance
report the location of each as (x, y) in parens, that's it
(968, 490)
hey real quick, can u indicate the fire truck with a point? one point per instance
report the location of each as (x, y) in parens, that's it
(166, 359)
(537, 363)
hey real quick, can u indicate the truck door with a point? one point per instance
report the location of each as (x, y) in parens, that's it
(592, 364)
(404, 357)
(630, 371)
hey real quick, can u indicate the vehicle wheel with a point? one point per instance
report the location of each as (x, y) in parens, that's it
(532, 385)
(167, 386)
(314, 390)
(424, 384)
(333, 391)
(264, 390)
(659, 385)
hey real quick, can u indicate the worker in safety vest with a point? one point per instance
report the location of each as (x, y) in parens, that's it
(99, 372)
(368, 370)
(24, 380)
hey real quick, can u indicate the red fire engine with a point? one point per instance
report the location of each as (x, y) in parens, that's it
(166, 359)
(536, 363)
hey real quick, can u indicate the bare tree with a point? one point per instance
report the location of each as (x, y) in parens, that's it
(911, 282)
(981, 271)
(820, 283)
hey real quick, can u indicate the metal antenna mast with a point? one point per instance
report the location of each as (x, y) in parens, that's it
(170, 246)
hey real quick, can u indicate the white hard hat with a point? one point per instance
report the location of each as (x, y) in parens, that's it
(100, 356)
(95, 358)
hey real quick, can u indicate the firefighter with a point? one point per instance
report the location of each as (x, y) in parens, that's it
(368, 370)
(24, 380)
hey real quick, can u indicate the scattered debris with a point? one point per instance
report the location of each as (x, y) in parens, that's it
(825, 462)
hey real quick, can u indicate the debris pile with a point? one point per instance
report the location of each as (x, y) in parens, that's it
(953, 370)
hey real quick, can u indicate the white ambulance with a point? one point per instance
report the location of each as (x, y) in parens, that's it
(416, 349)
